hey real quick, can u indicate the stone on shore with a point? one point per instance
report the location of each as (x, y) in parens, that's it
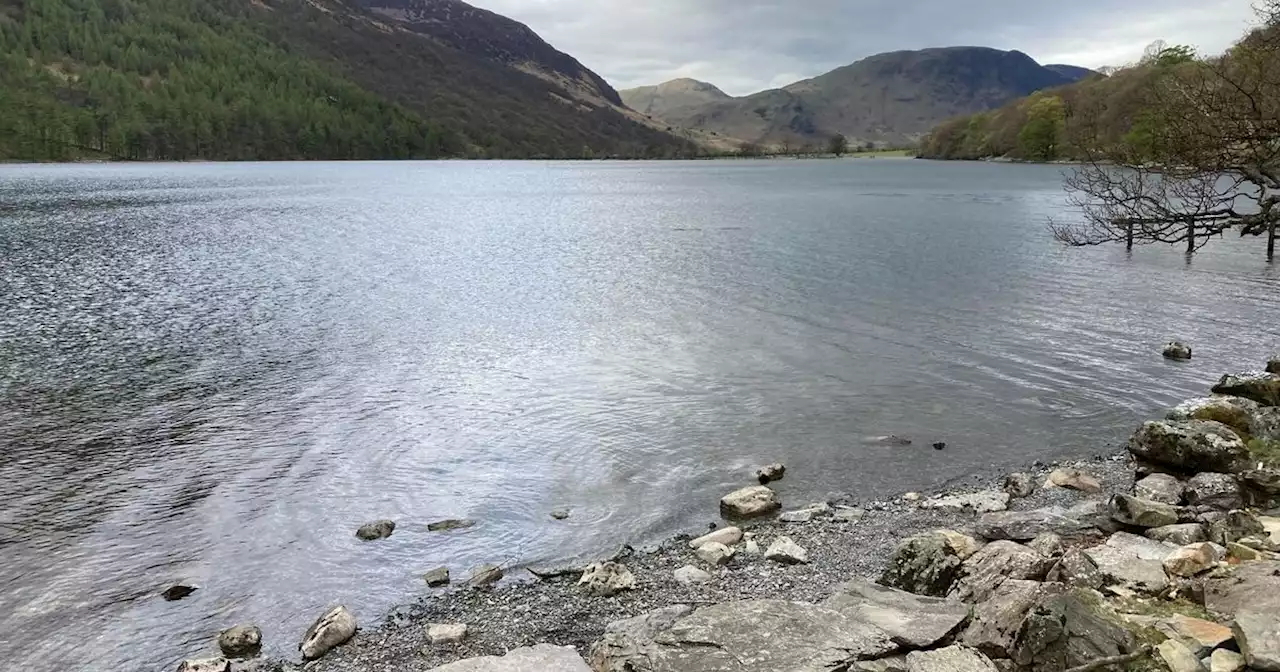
(714, 553)
(770, 473)
(1221, 491)
(1261, 387)
(241, 641)
(485, 575)
(335, 628)
(1201, 636)
(806, 514)
(1191, 560)
(1123, 567)
(912, 621)
(1192, 445)
(1068, 630)
(446, 633)
(1247, 587)
(951, 659)
(1141, 512)
(925, 564)
(1177, 350)
(1258, 634)
(451, 524)
(1180, 534)
(205, 665)
(983, 573)
(543, 658)
(1161, 488)
(379, 529)
(1144, 548)
(751, 502)
(1019, 484)
(437, 577)
(997, 620)
(1089, 518)
(689, 575)
(1075, 479)
(725, 535)
(1225, 660)
(962, 545)
(785, 551)
(605, 579)
(985, 501)
(1177, 658)
(849, 514)
(1273, 364)
(1242, 553)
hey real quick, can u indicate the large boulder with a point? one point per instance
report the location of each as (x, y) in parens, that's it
(1069, 630)
(757, 500)
(1220, 491)
(605, 579)
(1192, 445)
(912, 621)
(1261, 387)
(1273, 364)
(1077, 570)
(983, 573)
(1262, 485)
(1142, 512)
(543, 657)
(1123, 565)
(748, 635)
(925, 564)
(1258, 635)
(996, 621)
(335, 628)
(950, 659)
(1086, 519)
(1161, 488)
(1234, 412)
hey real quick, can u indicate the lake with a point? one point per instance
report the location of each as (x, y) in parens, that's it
(213, 373)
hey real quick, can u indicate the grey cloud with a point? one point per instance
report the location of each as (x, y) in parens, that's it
(748, 45)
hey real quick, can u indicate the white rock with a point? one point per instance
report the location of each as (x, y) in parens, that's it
(714, 553)
(757, 500)
(330, 631)
(987, 501)
(787, 552)
(446, 633)
(1223, 660)
(725, 535)
(689, 574)
(1177, 657)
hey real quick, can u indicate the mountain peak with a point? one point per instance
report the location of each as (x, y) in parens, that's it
(671, 96)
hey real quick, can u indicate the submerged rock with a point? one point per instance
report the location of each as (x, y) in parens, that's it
(1192, 445)
(437, 577)
(1263, 388)
(911, 621)
(751, 502)
(330, 631)
(451, 524)
(379, 529)
(888, 440)
(605, 579)
(241, 641)
(1177, 350)
(178, 592)
(561, 514)
(997, 620)
(543, 657)
(770, 473)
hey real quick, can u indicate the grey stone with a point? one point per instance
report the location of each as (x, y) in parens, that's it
(725, 535)
(1067, 630)
(894, 663)
(1261, 387)
(850, 514)
(1263, 483)
(1235, 526)
(981, 502)
(1047, 544)
(1082, 520)
(1191, 559)
(714, 553)
(1258, 634)
(1176, 350)
(1145, 549)
(380, 529)
(605, 579)
(983, 573)
(689, 575)
(625, 644)
(485, 575)
(241, 641)
(925, 564)
(996, 621)
(1124, 568)
(335, 628)
(1224, 660)
(950, 659)
(543, 658)
(1200, 636)
(178, 592)
(757, 500)
(1077, 570)
(1177, 657)
(437, 577)
(1142, 512)
(787, 552)
(450, 525)
(1180, 534)
(1220, 491)
(1019, 484)
(561, 514)
(1242, 553)
(1253, 586)
(741, 637)
(1237, 413)
(1273, 365)
(1075, 479)
(771, 472)
(1191, 445)
(205, 665)
(446, 633)
(1161, 488)
(806, 514)
(963, 545)
(912, 621)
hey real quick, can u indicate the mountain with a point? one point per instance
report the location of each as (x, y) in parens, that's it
(298, 79)
(888, 98)
(672, 98)
(1072, 72)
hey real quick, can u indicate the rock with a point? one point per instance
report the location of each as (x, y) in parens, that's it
(983, 573)
(1180, 534)
(950, 659)
(1177, 657)
(894, 663)
(1074, 479)
(963, 545)
(1019, 484)
(1177, 350)
(1258, 634)
(849, 514)
(1143, 548)
(1236, 526)
(241, 641)
(446, 633)
(751, 547)
(1263, 484)
(1263, 388)
(912, 497)
(437, 577)
(1220, 491)
(725, 535)
(1200, 636)
(912, 621)
(787, 552)
(770, 473)
(714, 553)
(751, 502)
(1223, 660)
(1237, 413)
(605, 579)
(1273, 365)
(1077, 570)
(981, 502)
(996, 621)
(888, 440)
(449, 525)
(1242, 553)
(1047, 544)
(939, 445)
(330, 631)
(1083, 520)
(1192, 445)
(740, 636)
(626, 643)
(205, 665)
(689, 575)
(543, 658)
(379, 529)
(561, 514)
(925, 564)
(1141, 512)
(1161, 488)
(178, 592)
(1248, 587)
(485, 575)
(1124, 568)
(1191, 560)
(806, 514)
(1067, 630)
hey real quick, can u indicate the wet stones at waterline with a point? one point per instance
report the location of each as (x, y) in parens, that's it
(335, 628)
(751, 502)
(437, 577)
(241, 641)
(485, 575)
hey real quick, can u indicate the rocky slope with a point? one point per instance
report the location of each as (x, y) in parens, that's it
(671, 99)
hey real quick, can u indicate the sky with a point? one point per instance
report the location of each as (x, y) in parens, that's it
(744, 46)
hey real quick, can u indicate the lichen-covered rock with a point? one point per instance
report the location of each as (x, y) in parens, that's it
(1192, 445)
(1069, 630)
(1048, 544)
(1234, 412)
(981, 502)
(1019, 484)
(1245, 588)
(912, 621)
(1180, 534)
(1122, 567)
(1221, 491)
(925, 564)
(1086, 519)
(605, 579)
(335, 628)
(1261, 387)
(241, 641)
(1177, 350)
(1142, 512)
(983, 573)
(1161, 488)
(751, 502)
(379, 529)
(997, 620)
(950, 659)
(626, 644)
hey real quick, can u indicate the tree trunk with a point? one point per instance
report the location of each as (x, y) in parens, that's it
(1191, 239)
(1128, 240)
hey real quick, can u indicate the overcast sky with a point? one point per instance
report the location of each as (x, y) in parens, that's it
(744, 46)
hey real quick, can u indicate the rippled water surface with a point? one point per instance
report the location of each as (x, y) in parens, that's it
(214, 373)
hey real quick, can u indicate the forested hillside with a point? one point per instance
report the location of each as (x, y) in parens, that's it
(272, 79)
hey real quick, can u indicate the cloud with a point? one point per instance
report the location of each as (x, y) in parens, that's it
(744, 46)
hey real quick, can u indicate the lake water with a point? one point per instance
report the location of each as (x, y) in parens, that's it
(215, 373)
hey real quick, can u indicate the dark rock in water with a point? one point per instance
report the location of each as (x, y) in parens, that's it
(452, 524)
(1235, 526)
(953, 658)
(1264, 483)
(1273, 365)
(241, 641)
(379, 529)
(940, 445)
(1177, 350)
(1193, 446)
(1019, 484)
(561, 514)
(1069, 630)
(330, 631)
(175, 593)
(1263, 388)
(770, 473)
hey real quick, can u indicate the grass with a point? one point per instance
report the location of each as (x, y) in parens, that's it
(1266, 451)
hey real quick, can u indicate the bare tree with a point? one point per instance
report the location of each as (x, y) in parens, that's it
(1202, 158)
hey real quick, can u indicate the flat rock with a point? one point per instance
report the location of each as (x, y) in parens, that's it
(926, 564)
(1075, 479)
(241, 641)
(205, 665)
(1254, 586)
(625, 642)
(950, 659)
(1019, 484)
(983, 573)
(725, 535)
(1145, 549)
(849, 514)
(1085, 519)
(751, 502)
(787, 552)
(446, 633)
(437, 577)
(1224, 660)
(1161, 488)
(912, 621)
(1142, 512)
(1261, 387)
(452, 524)
(1200, 636)
(380, 529)
(1258, 634)
(1192, 559)
(335, 628)
(1177, 657)
(605, 579)
(985, 501)
(543, 658)
(689, 575)
(1180, 534)
(996, 621)
(1124, 568)
(806, 514)
(714, 553)
(1191, 445)
(1221, 491)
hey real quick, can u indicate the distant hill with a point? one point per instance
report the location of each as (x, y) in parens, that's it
(674, 97)
(888, 98)
(1072, 72)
